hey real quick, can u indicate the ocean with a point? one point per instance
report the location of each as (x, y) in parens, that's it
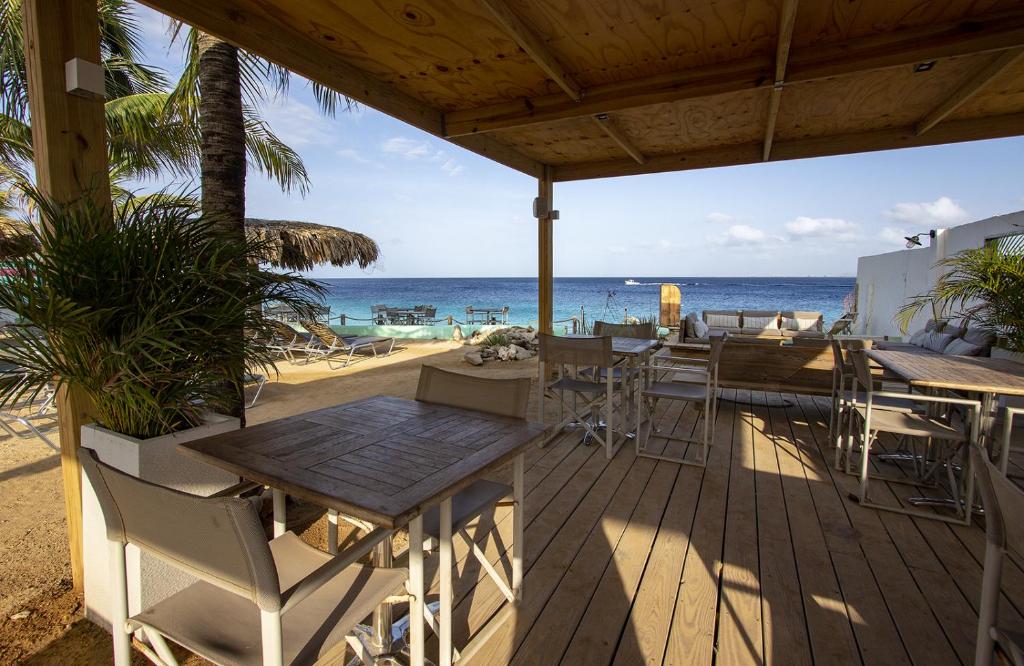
(603, 298)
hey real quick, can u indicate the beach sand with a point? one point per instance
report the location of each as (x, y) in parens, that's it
(35, 574)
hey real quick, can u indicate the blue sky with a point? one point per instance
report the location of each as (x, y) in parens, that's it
(439, 211)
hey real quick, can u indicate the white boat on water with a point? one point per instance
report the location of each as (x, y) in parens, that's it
(632, 283)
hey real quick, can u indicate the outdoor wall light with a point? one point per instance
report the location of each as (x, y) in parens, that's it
(915, 240)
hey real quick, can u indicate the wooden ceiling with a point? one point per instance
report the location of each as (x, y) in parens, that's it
(597, 88)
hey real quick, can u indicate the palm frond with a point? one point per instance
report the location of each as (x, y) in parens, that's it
(267, 153)
(148, 140)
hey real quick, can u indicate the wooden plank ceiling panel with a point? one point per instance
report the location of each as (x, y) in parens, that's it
(826, 21)
(696, 124)
(607, 42)
(886, 99)
(1003, 94)
(571, 141)
(447, 53)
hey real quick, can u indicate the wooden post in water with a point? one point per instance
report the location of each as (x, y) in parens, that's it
(545, 250)
(69, 142)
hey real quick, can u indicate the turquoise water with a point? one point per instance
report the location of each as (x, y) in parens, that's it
(602, 298)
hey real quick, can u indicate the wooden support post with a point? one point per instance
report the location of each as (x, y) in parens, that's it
(545, 250)
(69, 141)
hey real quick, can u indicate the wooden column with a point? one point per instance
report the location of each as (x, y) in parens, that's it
(545, 250)
(69, 141)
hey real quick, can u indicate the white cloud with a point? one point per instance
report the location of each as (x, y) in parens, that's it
(407, 148)
(353, 155)
(743, 235)
(298, 124)
(941, 212)
(719, 217)
(895, 235)
(812, 227)
(412, 149)
(451, 168)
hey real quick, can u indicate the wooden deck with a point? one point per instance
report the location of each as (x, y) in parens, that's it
(759, 558)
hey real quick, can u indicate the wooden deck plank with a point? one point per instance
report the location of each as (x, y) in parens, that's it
(916, 621)
(598, 632)
(760, 557)
(647, 625)
(740, 638)
(782, 606)
(691, 638)
(878, 639)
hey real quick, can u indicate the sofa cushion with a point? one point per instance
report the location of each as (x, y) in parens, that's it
(761, 320)
(979, 337)
(937, 341)
(688, 322)
(722, 319)
(700, 329)
(800, 320)
(813, 333)
(960, 347)
(917, 339)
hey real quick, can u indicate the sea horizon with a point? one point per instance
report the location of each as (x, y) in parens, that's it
(605, 298)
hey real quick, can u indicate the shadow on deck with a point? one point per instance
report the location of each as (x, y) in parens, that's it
(758, 558)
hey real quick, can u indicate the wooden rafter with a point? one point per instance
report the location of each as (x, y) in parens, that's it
(787, 21)
(534, 46)
(616, 135)
(936, 41)
(970, 87)
(259, 32)
(953, 131)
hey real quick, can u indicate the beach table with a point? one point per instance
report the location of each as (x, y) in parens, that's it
(386, 461)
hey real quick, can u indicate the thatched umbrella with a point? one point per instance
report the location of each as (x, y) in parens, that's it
(293, 245)
(301, 245)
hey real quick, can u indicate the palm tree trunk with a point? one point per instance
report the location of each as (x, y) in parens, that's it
(222, 169)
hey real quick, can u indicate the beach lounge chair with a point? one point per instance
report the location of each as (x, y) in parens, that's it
(282, 602)
(287, 341)
(327, 344)
(28, 412)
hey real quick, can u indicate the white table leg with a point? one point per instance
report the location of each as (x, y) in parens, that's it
(417, 590)
(518, 469)
(280, 519)
(445, 619)
(332, 531)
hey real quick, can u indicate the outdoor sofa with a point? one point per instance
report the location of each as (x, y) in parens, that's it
(752, 323)
(949, 338)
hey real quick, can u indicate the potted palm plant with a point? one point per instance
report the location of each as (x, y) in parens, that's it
(984, 287)
(142, 316)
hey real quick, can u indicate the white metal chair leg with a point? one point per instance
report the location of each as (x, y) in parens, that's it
(119, 605)
(518, 468)
(417, 638)
(271, 639)
(445, 612)
(332, 532)
(280, 519)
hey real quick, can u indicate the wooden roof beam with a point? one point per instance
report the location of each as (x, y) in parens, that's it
(953, 131)
(970, 87)
(615, 133)
(260, 32)
(993, 32)
(534, 47)
(787, 20)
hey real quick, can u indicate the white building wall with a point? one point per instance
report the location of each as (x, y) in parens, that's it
(886, 281)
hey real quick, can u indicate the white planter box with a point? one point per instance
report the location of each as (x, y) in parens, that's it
(156, 460)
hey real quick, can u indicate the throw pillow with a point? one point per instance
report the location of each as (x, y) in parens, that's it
(937, 342)
(700, 329)
(960, 347)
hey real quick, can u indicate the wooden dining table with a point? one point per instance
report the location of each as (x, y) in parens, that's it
(384, 460)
